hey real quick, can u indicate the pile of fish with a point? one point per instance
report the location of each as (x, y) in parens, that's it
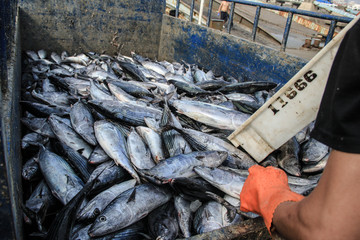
(118, 147)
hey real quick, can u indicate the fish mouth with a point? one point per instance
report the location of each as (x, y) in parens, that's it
(95, 231)
(92, 232)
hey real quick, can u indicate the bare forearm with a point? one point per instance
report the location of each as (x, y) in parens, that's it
(288, 223)
(331, 210)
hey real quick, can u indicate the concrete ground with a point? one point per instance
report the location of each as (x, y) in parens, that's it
(274, 24)
(271, 23)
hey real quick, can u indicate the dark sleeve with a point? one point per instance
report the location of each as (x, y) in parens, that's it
(338, 121)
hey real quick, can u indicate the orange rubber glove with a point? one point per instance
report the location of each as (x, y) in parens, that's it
(264, 190)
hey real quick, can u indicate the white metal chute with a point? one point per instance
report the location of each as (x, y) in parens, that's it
(291, 108)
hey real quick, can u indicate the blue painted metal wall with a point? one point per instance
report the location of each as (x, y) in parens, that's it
(10, 216)
(7, 14)
(106, 26)
(225, 54)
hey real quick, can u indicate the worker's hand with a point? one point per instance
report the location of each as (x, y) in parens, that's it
(264, 190)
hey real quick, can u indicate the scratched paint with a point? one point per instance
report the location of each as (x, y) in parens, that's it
(225, 54)
(102, 26)
(10, 162)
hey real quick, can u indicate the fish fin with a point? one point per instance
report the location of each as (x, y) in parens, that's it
(152, 178)
(182, 150)
(55, 194)
(132, 196)
(81, 150)
(41, 194)
(69, 181)
(169, 96)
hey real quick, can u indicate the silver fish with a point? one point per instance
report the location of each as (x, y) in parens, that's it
(153, 141)
(128, 208)
(316, 167)
(40, 126)
(165, 88)
(173, 140)
(208, 217)
(47, 86)
(240, 97)
(102, 75)
(200, 76)
(175, 143)
(31, 170)
(172, 76)
(139, 153)
(61, 71)
(80, 59)
(155, 67)
(98, 93)
(123, 96)
(33, 139)
(188, 88)
(288, 158)
(98, 156)
(128, 112)
(81, 234)
(32, 55)
(68, 136)
(97, 204)
(55, 57)
(78, 86)
(120, 94)
(131, 88)
(210, 114)
(106, 174)
(236, 203)
(227, 181)
(163, 223)
(83, 122)
(59, 176)
(203, 141)
(39, 203)
(42, 53)
(313, 151)
(114, 144)
(184, 215)
(182, 165)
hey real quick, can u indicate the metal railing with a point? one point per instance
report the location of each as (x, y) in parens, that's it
(259, 5)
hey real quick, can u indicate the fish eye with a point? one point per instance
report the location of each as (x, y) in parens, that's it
(96, 211)
(102, 218)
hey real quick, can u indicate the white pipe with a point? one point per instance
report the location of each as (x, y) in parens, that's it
(201, 11)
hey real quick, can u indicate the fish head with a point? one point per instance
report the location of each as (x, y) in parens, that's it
(101, 226)
(29, 172)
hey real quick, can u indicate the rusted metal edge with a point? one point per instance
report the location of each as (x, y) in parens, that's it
(249, 229)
